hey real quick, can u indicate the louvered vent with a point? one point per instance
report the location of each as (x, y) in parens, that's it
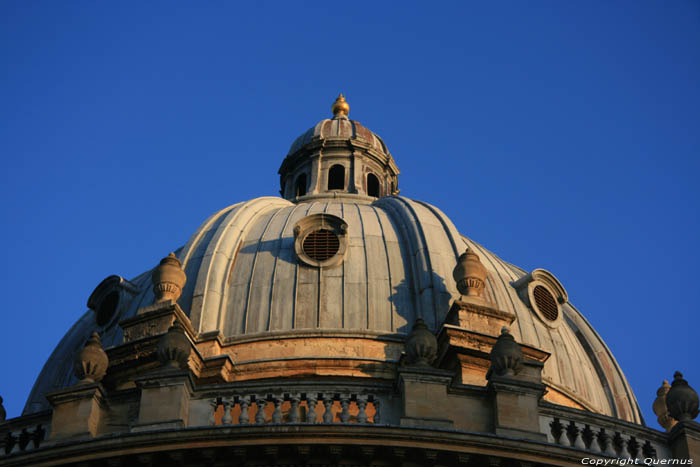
(321, 245)
(546, 303)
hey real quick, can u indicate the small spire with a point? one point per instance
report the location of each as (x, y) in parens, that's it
(340, 107)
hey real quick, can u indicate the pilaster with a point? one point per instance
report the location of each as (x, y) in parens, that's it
(165, 400)
(424, 398)
(78, 411)
(515, 400)
(684, 439)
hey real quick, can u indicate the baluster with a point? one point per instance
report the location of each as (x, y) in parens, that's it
(277, 414)
(633, 447)
(587, 435)
(294, 409)
(377, 418)
(23, 439)
(648, 450)
(228, 405)
(311, 414)
(572, 432)
(244, 403)
(345, 404)
(361, 414)
(557, 429)
(603, 440)
(618, 443)
(260, 414)
(327, 414)
(38, 435)
(10, 441)
(212, 417)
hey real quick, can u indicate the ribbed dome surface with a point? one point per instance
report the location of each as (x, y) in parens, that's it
(342, 128)
(243, 279)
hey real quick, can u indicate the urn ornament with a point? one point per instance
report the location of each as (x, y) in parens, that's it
(682, 400)
(421, 346)
(174, 347)
(506, 355)
(660, 408)
(470, 274)
(91, 362)
(168, 279)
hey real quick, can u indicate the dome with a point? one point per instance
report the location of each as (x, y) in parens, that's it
(245, 283)
(336, 303)
(343, 312)
(340, 128)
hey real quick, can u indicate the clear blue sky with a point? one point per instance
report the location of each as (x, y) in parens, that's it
(562, 135)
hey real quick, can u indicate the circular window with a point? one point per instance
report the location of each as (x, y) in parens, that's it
(321, 240)
(107, 308)
(545, 303)
(321, 245)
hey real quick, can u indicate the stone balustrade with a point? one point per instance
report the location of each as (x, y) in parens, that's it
(24, 433)
(601, 435)
(295, 407)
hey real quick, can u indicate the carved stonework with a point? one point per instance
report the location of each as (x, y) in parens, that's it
(168, 279)
(3, 414)
(153, 320)
(506, 355)
(421, 346)
(682, 400)
(91, 362)
(174, 347)
(470, 274)
(660, 408)
(478, 315)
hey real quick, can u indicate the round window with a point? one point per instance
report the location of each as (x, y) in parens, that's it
(321, 240)
(545, 303)
(321, 245)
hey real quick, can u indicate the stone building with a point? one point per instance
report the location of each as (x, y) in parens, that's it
(338, 324)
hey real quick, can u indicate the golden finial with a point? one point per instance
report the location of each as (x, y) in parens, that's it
(340, 106)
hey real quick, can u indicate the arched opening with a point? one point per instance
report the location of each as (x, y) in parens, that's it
(336, 178)
(301, 185)
(372, 185)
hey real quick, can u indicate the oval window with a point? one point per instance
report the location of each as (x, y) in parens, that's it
(546, 303)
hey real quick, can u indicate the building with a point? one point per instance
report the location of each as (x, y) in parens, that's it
(338, 324)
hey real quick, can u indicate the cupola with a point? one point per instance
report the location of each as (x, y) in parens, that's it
(336, 156)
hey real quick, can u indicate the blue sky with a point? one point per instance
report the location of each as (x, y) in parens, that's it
(561, 135)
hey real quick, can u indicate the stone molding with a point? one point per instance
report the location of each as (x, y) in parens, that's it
(154, 320)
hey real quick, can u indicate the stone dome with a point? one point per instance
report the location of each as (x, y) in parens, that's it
(247, 282)
(342, 128)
